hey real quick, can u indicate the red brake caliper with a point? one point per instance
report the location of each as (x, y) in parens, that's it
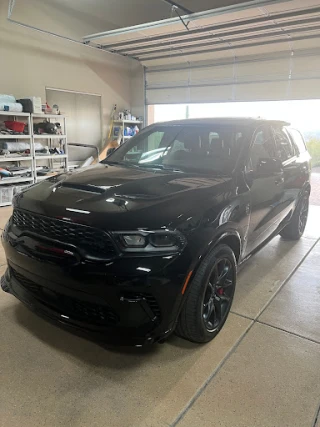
(220, 291)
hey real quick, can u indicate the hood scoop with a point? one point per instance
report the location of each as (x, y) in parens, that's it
(83, 187)
(136, 196)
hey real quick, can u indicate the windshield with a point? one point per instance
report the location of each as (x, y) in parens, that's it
(186, 148)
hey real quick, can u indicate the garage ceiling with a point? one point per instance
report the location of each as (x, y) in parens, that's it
(234, 51)
(262, 50)
(229, 29)
(107, 15)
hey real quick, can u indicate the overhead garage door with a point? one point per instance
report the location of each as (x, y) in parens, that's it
(272, 55)
(259, 50)
(267, 77)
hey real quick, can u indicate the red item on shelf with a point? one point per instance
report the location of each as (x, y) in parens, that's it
(15, 126)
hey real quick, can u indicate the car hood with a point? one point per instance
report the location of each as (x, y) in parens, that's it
(123, 198)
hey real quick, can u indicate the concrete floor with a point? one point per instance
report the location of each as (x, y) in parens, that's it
(263, 369)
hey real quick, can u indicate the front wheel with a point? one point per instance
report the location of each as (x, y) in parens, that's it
(209, 297)
(295, 229)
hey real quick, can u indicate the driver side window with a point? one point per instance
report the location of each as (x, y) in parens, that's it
(262, 148)
(285, 149)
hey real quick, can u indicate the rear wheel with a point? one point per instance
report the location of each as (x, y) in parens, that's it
(209, 297)
(295, 229)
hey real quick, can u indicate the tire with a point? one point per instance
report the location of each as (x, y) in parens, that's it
(295, 229)
(195, 324)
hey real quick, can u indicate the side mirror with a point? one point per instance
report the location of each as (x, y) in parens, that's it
(268, 167)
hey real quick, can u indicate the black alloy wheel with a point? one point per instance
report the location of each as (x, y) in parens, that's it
(209, 296)
(295, 229)
(303, 215)
(218, 294)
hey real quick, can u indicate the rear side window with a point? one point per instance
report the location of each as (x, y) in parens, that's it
(298, 140)
(285, 148)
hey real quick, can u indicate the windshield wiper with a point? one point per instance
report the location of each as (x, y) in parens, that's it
(161, 167)
(114, 163)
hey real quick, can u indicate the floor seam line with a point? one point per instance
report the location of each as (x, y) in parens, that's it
(211, 377)
(242, 315)
(234, 348)
(287, 279)
(288, 332)
(317, 418)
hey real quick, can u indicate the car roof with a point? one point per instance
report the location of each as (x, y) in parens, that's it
(225, 121)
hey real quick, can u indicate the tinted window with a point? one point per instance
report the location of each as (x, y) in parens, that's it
(285, 149)
(189, 147)
(262, 148)
(298, 140)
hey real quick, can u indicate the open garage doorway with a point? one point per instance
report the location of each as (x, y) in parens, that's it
(303, 115)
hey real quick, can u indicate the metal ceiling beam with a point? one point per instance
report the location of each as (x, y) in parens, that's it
(236, 40)
(192, 17)
(182, 44)
(235, 47)
(171, 36)
(173, 3)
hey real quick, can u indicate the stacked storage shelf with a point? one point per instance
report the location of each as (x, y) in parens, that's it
(124, 125)
(19, 158)
(32, 165)
(55, 162)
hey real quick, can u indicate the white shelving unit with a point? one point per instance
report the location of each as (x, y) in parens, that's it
(9, 137)
(56, 162)
(8, 186)
(123, 124)
(47, 136)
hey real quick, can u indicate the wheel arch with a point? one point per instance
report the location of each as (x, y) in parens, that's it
(233, 240)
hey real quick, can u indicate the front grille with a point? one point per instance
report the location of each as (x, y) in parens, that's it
(149, 299)
(26, 283)
(95, 242)
(88, 312)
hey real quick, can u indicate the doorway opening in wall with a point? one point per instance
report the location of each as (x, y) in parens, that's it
(303, 115)
(83, 120)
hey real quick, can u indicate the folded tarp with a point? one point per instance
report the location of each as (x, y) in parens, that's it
(17, 147)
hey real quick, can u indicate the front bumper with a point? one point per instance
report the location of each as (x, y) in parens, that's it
(120, 303)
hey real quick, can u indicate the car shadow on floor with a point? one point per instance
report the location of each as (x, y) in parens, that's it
(89, 351)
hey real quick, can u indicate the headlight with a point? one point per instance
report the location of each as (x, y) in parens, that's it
(162, 240)
(151, 241)
(134, 241)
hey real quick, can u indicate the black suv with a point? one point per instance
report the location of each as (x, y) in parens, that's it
(148, 241)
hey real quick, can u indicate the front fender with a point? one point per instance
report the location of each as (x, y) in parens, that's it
(205, 242)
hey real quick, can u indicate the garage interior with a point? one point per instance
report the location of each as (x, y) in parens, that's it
(263, 368)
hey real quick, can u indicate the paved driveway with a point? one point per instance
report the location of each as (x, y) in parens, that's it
(315, 193)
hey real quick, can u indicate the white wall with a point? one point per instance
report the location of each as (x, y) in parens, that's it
(137, 90)
(31, 61)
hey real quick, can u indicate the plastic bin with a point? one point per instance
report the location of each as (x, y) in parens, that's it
(15, 126)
